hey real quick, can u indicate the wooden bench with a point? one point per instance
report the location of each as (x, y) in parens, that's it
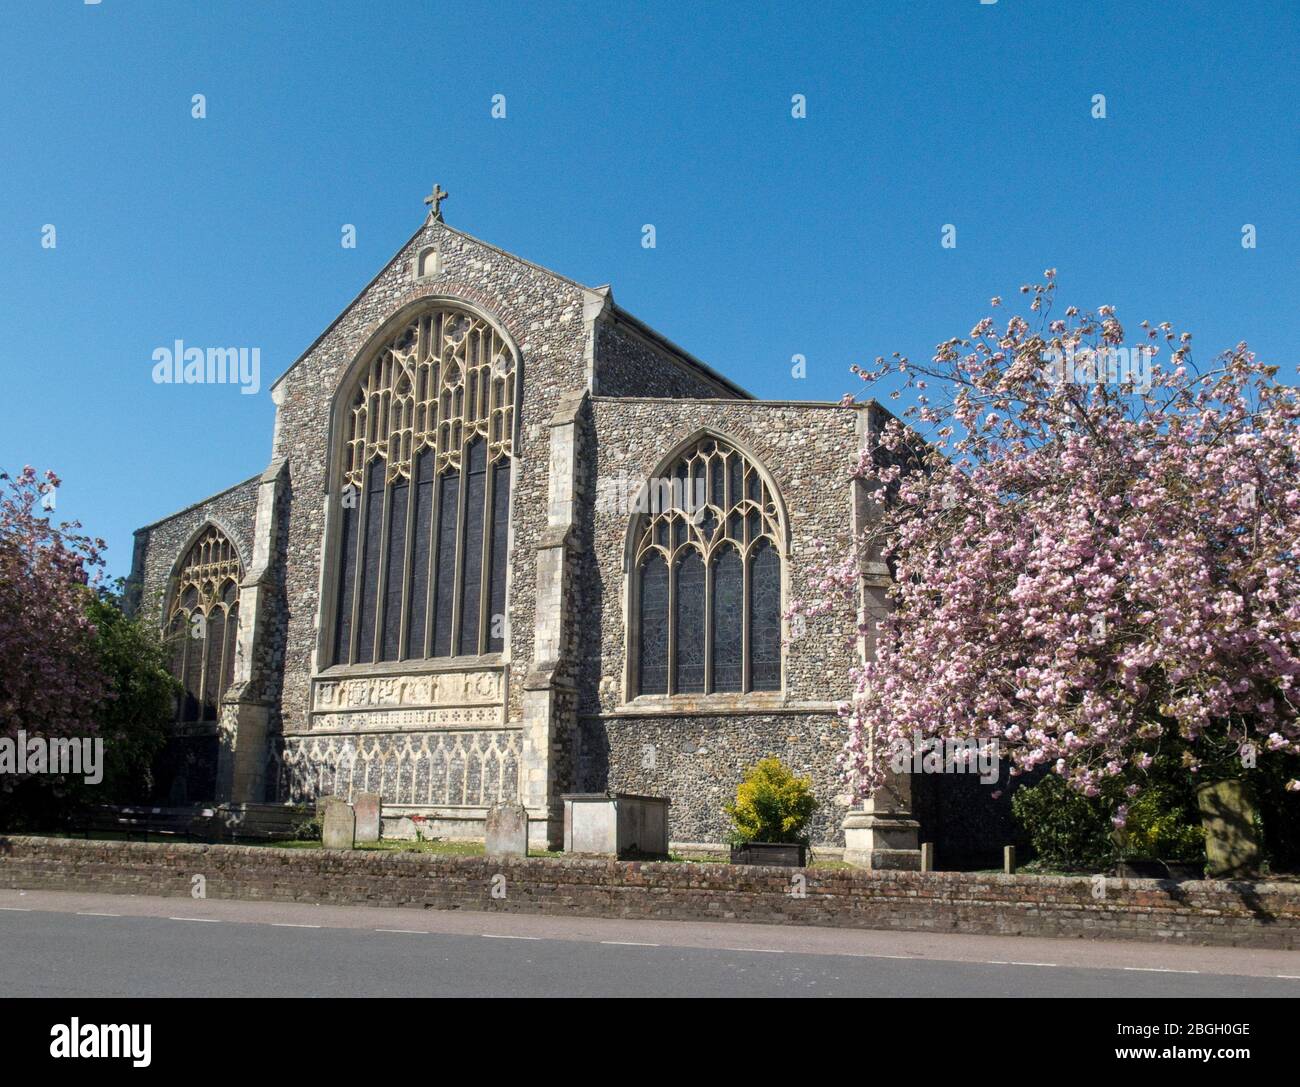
(136, 823)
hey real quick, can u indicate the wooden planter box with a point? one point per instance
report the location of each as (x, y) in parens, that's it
(770, 853)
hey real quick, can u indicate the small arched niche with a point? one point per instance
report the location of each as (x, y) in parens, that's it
(428, 262)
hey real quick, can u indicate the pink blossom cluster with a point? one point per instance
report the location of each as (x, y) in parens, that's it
(1084, 573)
(51, 679)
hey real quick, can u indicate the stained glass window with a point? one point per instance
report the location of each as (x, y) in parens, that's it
(765, 618)
(203, 625)
(728, 616)
(372, 556)
(429, 440)
(500, 538)
(654, 625)
(472, 547)
(707, 590)
(421, 535)
(688, 624)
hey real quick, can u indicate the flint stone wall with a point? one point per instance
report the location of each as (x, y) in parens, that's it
(698, 761)
(160, 547)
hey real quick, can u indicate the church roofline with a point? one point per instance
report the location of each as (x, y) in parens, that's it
(752, 401)
(395, 258)
(663, 341)
(200, 502)
(343, 312)
(617, 311)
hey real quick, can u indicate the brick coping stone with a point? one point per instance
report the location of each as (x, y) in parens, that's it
(1201, 912)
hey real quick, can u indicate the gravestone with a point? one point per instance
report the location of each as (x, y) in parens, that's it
(507, 831)
(368, 807)
(1231, 839)
(339, 825)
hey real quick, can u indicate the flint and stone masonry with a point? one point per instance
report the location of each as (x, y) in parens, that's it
(554, 710)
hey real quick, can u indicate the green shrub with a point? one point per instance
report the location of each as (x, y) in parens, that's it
(1161, 825)
(308, 829)
(772, 805)
(1069, 832)
(131, 720)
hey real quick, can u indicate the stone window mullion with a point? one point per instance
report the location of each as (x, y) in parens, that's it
(708, 625)
(746, 606)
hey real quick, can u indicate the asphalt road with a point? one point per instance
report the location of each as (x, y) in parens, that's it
(56, 944)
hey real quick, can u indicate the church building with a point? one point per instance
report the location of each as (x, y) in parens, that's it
(512, 544)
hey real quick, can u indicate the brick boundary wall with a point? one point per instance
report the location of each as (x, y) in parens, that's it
(1203, 912)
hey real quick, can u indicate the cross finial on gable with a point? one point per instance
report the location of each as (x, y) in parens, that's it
(434, 200)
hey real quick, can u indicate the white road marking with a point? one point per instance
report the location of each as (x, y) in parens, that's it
(205, 920)
(1014, 963)
(16, 909)
(765, 950)
(88, 913)
(1160, 970)
(413, 931)
(633, 943)
(288, 924)
(1292, 977)
(503, 936)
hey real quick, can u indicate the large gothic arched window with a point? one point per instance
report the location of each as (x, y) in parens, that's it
(707, 577)
(203, 624)
(426, 495)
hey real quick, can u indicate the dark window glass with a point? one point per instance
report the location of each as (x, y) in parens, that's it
(373, 544)
(448, 496)
(688, 624)
(193, 710)
(472, 561)
(178, 640)
(395, 572)
(728, 621)
(500, 538)
(653, 670)
(765, 619)
(422, 517)
(717, 491)
(214, 639)
(347, 577)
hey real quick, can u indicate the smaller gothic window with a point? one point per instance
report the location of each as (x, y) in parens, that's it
(203, 625)
(707, 577)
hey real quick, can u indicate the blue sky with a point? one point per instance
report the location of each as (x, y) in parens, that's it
(775, 236)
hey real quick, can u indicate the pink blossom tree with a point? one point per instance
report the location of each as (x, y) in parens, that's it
(1095, 553)
(51, 680)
